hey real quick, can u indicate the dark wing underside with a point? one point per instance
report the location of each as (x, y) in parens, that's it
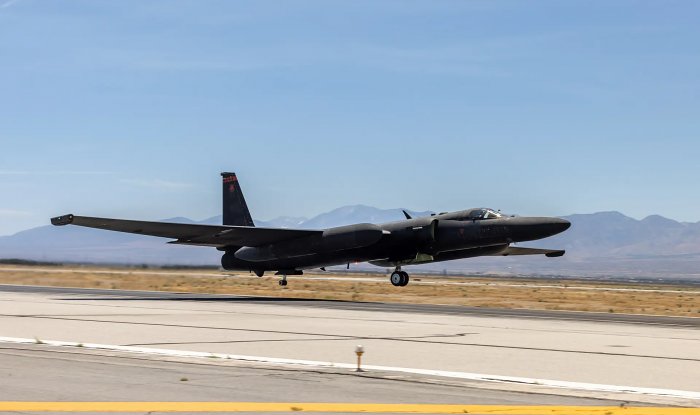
(513, 250)
(190, 234)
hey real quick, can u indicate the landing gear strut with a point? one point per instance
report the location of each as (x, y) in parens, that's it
(399, 278)
(286, 272)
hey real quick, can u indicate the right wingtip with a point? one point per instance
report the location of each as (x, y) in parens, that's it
(62, 220)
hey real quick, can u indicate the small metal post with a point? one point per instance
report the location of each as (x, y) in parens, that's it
(359, 351)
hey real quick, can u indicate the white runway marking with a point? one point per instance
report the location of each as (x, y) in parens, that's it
(311, 363)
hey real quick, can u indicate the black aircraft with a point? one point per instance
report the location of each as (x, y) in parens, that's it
(443, 237)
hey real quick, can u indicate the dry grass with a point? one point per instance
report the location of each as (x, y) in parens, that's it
(544, 294)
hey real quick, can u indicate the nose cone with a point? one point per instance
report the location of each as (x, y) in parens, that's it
(557, 225)
(529, 229)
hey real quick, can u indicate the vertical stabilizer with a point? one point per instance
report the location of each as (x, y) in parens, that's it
(235, 209)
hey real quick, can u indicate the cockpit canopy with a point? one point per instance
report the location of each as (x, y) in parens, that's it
(478, 214)
(474, 214)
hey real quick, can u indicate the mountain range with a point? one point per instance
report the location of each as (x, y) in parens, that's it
(598, 245)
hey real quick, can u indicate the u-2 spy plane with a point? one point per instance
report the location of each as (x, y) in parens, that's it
(442, 237)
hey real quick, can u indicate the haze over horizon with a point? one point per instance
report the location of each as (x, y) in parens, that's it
(131, 109)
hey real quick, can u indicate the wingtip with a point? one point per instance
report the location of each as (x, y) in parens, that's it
(555, 254)
(62, 220)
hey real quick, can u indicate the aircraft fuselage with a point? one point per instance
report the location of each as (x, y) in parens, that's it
(435, 238)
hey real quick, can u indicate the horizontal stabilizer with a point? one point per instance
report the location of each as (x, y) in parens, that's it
(190, 234)
(512, 250)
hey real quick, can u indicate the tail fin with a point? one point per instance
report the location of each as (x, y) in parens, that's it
(235, 209)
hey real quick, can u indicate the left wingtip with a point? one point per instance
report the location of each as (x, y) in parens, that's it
(62, 220)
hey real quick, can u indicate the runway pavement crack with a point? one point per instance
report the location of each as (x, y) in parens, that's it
(335, 337)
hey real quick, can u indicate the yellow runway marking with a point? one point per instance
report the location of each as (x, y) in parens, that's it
(336, 407)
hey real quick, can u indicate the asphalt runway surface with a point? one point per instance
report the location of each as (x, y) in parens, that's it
(126, 295)
(609, 349)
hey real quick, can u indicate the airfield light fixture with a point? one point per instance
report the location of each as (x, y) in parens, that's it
(359, 351)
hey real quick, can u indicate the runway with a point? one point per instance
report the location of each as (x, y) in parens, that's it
(42, 373)
(632, 351)
(363, 306)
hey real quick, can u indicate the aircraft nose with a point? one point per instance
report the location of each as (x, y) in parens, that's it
(529, 229)
(557, 225)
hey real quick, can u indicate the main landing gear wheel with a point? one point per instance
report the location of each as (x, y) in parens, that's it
(283, 281)
(399, 278)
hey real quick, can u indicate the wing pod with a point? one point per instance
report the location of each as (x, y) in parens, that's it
(515, 250)
(62, 220)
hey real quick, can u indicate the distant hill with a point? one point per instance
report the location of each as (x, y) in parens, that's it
(598, 244)
(77, 244)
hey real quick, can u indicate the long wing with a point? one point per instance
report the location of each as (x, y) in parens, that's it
(512, 250)
(190, 234)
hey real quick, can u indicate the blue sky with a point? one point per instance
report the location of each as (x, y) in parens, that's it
(132, 108)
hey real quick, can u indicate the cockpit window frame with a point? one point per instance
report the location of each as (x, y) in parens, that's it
(483, 214)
